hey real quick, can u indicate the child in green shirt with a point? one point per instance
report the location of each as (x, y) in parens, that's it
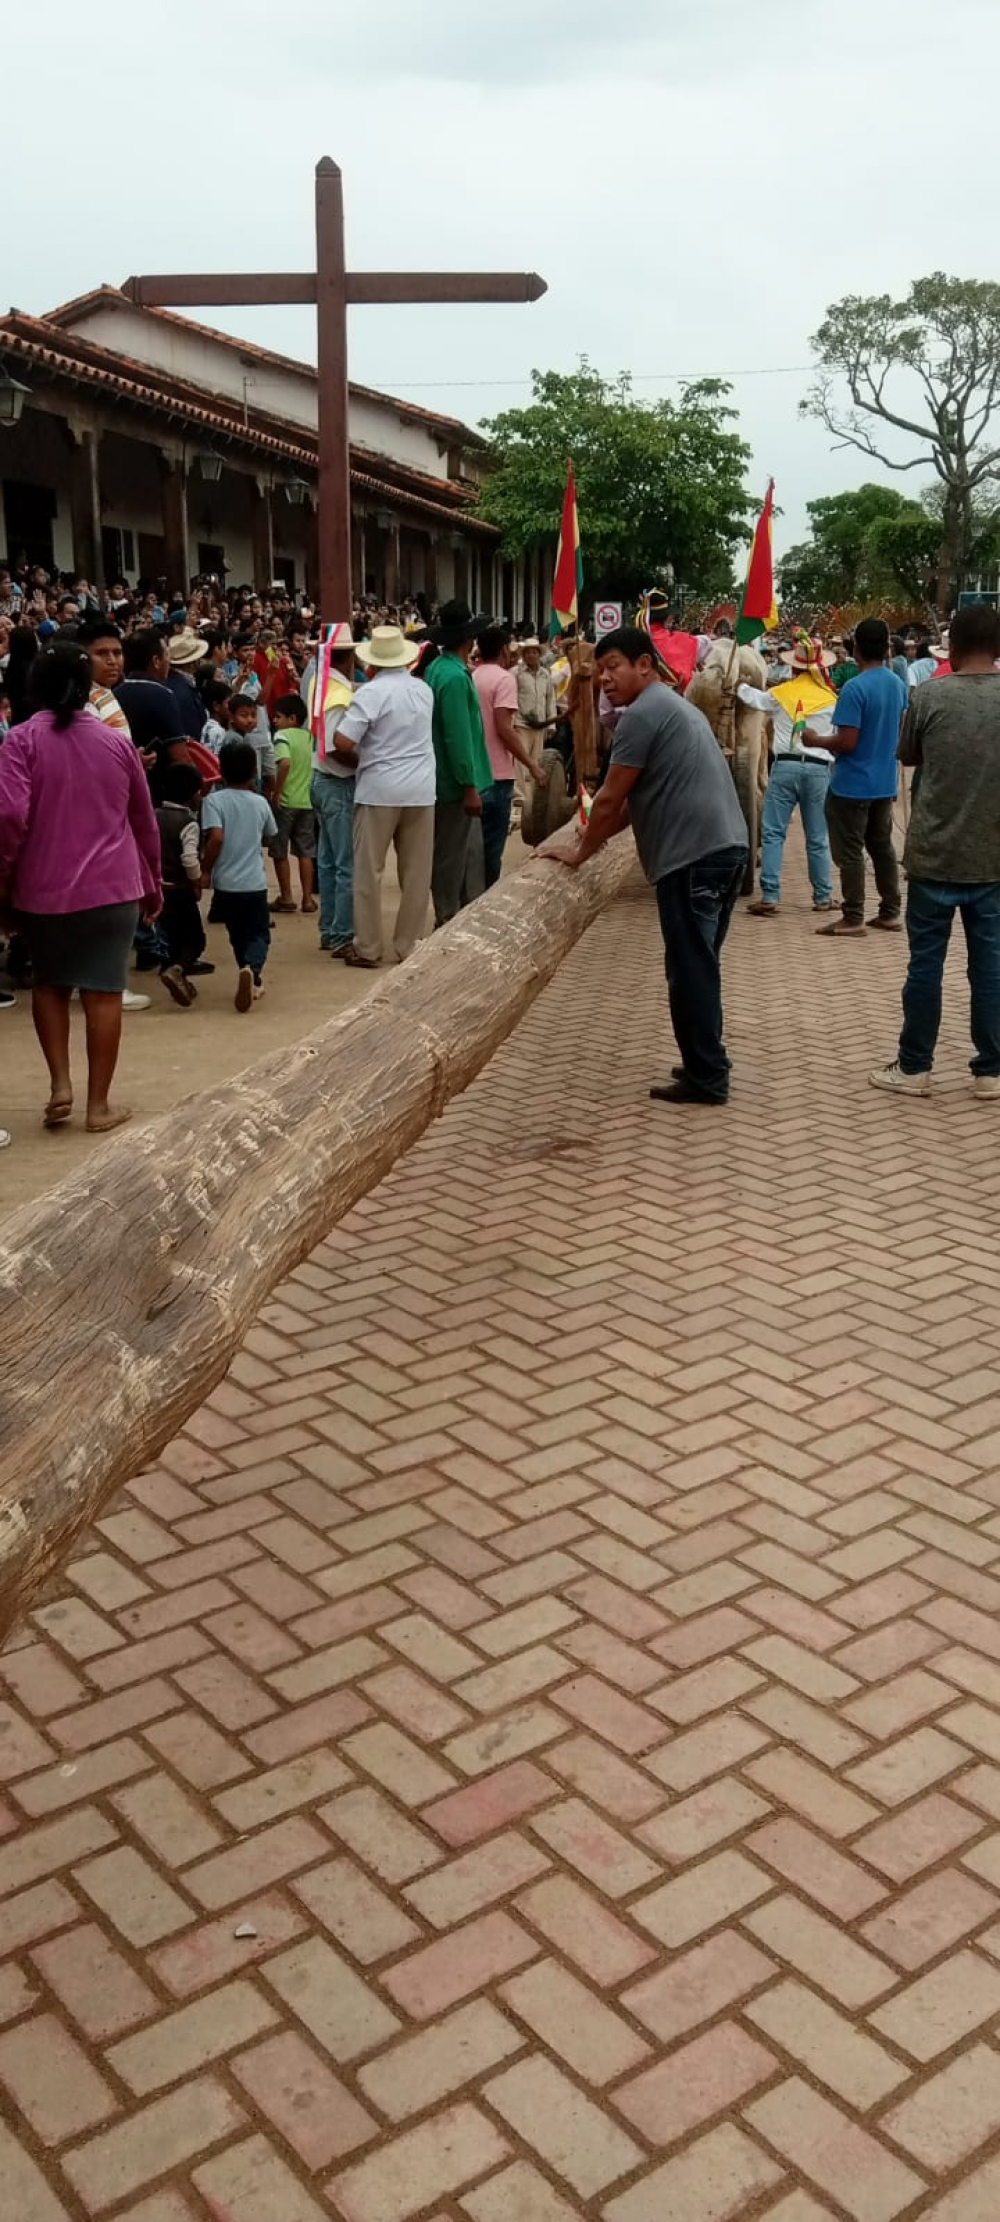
(293, 801)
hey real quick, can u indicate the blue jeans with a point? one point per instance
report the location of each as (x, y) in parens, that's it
(496, 826)
(695, 906)
(930, 908)
(333, 802)
(247, 921)
(796, 784)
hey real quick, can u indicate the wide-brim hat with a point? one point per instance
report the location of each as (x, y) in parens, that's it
(186, 648)
(338, 637)
(387, 649)
(800, 657)
(458, 622)
(531, 641)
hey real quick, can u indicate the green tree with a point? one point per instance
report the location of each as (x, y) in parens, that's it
(864, 546)
(660, 485)
(927, 368)
(875, 544)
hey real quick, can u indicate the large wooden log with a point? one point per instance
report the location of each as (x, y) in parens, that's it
(125, 1290)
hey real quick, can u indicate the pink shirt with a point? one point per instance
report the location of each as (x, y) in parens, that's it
(77, 827)
(497, 690)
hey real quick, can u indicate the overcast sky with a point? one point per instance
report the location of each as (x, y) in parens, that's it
(696, 182)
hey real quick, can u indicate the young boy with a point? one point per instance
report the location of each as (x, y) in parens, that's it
(180, 919)
(236, 821)
(215, 731)
(245, 724)
(293, 801)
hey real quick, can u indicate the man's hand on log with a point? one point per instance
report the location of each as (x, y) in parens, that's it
(563, 847)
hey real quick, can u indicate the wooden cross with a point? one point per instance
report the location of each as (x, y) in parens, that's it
(333, 288)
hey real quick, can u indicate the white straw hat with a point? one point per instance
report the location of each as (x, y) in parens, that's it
(387, 650)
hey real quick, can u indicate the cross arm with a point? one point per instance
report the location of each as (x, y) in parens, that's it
(187, 290)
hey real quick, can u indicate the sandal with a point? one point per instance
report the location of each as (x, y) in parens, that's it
(365, 964)
(309, 906)
(840, 929)
(288, 907)
(57, 1110)
(110, 1120)
(762, 909)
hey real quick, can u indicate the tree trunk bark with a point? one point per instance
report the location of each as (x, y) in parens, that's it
(954, 549)
(125, 1290)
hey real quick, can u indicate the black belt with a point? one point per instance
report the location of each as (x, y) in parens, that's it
(790, 757)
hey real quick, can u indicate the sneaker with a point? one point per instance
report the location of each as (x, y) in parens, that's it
(898, 1082)
(7, 1000)
(5, 1139)
(176, 985)
(132, 1002)
(244, 988)
(986, 1087)
(258, 990)
(202, 967)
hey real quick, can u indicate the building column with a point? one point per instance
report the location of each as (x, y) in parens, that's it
(262, 529)
(391, 594)
(85, 502)
(173, 499)
(359, 553)
(431, 568)
(312, 551)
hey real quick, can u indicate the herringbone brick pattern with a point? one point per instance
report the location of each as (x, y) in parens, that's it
(532, 1749)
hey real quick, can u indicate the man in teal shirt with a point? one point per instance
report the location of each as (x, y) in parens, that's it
(464, 772)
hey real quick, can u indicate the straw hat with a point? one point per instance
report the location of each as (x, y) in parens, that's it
(186, 648)
(387, 650)
(340, 637)
(806, 655)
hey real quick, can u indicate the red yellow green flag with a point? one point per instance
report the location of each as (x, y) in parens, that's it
(758, 611)
(569, 565)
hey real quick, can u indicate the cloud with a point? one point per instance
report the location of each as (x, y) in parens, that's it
(696, 179)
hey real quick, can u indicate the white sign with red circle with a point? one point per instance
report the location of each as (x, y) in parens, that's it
(607, 617)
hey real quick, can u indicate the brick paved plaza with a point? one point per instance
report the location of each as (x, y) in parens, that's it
(532, 1748)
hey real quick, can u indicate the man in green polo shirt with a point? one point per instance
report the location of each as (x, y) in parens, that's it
(464, 772)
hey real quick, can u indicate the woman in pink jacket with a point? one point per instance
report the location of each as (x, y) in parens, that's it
(79, 863)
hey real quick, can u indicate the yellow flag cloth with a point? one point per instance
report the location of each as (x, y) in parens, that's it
(803, 696)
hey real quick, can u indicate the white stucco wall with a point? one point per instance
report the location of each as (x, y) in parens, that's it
(285, 392)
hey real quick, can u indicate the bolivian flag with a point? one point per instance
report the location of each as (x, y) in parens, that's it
(569, 565)
(758, 609)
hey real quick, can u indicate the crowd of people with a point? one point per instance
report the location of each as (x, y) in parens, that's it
(933, 708)
(155, 752)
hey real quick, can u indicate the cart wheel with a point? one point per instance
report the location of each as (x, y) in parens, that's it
(545, 809)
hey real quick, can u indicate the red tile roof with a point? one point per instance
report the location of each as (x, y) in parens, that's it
(73, 358)
(102, 296)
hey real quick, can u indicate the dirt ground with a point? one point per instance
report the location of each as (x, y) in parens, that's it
(168, 1053)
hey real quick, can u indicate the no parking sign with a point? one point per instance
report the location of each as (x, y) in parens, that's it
(607, 617)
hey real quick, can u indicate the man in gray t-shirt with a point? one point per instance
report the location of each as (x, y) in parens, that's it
(951, 733)
(669, 779)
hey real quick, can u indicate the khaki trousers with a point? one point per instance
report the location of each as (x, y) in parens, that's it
(411, 833)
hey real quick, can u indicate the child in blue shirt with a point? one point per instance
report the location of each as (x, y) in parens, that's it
(236, 821)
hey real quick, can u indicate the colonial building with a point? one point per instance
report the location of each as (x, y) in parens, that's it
(149, 445)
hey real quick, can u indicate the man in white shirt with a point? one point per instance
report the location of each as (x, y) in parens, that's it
(387, 730)
(800, 776)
